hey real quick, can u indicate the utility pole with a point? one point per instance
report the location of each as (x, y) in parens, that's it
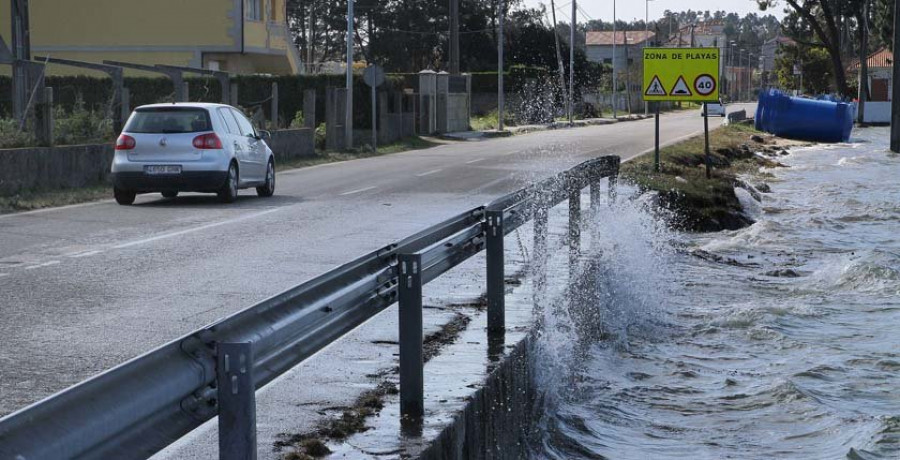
(348, 116)
(615, 89)
(863, 65)
(646, 37)
(559, 59)
(454, 37)
(310, 45)
(572, 61)
(21, 51)
(500, 94)
(895, 99)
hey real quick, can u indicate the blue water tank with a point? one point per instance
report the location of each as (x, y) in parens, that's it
(804, 119)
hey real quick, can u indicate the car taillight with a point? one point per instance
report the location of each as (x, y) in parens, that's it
(207, 142)
(125, 142)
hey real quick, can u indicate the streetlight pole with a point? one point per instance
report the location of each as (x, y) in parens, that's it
(501, 96)
(740, 66)
(615, 89)
(348, 116)
(646, 37)
(895, 99)
(731, 74)
(572, 61)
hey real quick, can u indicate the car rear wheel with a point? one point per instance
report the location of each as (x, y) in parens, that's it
(229, 191)
(123, 197)
(268, 189)
(169, 194)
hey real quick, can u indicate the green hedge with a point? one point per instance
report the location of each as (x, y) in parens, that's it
(513, 81)
(253, 92)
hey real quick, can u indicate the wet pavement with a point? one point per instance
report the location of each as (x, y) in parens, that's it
(86, 287)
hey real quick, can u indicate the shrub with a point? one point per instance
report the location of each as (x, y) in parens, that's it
(298, 121)
(10, 135)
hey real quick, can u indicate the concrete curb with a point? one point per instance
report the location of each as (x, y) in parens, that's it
(525, 129)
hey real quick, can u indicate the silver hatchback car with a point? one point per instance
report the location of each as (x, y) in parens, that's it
(191, 147)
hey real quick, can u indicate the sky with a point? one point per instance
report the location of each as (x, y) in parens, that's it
(628, 10)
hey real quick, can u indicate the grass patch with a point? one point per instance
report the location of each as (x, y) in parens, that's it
(697, 202)
(490, 121)
(32, 200)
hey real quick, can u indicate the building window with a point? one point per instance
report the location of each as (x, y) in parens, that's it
(254, 10)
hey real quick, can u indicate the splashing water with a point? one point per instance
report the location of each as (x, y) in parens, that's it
(782, 345)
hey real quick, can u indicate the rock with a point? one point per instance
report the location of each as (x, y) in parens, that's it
(763, 187)
(784, 153)
(757, 139)
(783, 273)
(681, 180)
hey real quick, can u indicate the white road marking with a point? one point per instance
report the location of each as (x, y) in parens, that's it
(429, 173)
(45, 264)
(474, 161)
(194, 230)
(353, 192)
(83, 254)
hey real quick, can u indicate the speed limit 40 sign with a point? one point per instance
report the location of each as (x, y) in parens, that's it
(681, 74)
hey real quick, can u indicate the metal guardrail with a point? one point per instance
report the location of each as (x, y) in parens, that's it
(145, 404)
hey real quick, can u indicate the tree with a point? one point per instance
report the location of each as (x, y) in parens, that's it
(814, 63)
(819, 24)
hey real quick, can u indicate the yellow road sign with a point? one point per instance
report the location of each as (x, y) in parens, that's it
(681, 74)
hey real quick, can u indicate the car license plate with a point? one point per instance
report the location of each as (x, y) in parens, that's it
(157, 170)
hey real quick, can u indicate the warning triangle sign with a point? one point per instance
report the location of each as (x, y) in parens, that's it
(681, 88)
(655, 88)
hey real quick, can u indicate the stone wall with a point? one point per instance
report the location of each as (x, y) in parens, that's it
(74, 166)
(291, 144)
(49, 168)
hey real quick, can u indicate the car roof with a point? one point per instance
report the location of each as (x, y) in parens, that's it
(198, 105)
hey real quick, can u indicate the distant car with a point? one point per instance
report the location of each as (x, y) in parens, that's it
(714, 109)
(188, 147)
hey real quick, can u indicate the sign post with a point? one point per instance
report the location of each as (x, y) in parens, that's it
(374, 77)
(681, 75)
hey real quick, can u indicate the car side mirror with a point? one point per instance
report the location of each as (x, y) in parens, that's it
(265, 135)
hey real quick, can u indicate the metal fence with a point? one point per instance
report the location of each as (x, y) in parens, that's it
(145, 404)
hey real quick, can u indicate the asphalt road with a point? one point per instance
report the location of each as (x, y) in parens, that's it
(86, 287)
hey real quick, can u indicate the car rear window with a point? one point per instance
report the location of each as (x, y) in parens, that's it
(169, 120)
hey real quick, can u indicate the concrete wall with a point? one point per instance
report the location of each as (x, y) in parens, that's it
(48, 168)
(290, 144)
(876, 112)
(498, 420)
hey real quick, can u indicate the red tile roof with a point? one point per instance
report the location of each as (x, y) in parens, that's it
(880, 58)
(635, 37)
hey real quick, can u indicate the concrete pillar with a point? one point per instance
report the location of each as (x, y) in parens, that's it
(43, 118)
(309, 108)
(233, 95)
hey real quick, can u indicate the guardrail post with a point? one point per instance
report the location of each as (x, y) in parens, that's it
(539, 254)
(237, 401)
(496, 283)
(574, 226)
(412, 360)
